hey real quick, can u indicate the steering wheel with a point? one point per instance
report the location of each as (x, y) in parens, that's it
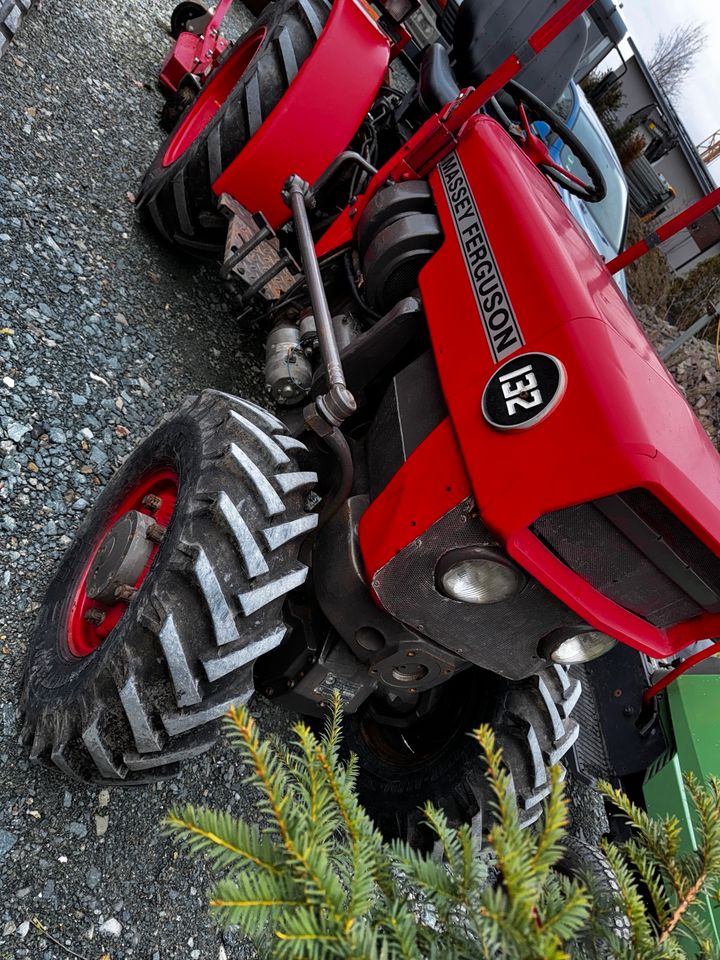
(592, 190)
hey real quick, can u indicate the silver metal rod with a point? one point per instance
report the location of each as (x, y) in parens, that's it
(323, 321)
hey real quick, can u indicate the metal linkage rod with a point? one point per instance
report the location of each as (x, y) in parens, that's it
(338, 404)
(348, 156)
(264, 233)
(699, 325)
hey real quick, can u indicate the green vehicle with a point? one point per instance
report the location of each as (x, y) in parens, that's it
(645, 731)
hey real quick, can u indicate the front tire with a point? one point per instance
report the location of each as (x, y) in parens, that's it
(130, 705)
(176, 192)
(403, 768)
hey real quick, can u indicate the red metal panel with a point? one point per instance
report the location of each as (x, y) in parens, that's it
(318, 116)
(432, 481)
(179, 62)
(622, 422)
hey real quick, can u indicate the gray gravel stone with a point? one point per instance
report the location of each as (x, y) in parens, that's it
(7, 842)
(16, 431)
(111, 927)
(8, 716)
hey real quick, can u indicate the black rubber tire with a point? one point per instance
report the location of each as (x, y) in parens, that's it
(11, 14)
(178, 198)
(183, 652)
(586, 862)
(532, 723)
(183, 13)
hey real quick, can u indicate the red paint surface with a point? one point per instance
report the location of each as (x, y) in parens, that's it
(317, 117)
(433, 481)
(195, 54)
(622, 422)
(212, 96)
(84, 637)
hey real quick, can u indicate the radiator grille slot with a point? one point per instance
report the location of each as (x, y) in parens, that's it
(637, 553)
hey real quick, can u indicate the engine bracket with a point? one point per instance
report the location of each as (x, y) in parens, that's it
(252, 253)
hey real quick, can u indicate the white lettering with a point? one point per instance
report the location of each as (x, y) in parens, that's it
(520, 389)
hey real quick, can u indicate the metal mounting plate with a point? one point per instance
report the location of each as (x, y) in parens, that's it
(242, 227)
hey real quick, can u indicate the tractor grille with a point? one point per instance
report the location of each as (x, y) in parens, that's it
(637, 553)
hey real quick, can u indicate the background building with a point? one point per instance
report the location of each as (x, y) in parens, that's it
(671, 154)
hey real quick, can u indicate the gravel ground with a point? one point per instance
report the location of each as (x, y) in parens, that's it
(101, 331)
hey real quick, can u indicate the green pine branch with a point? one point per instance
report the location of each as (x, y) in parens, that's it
(312, 879)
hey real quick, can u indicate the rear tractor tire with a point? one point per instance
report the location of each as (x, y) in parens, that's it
(176, 193)
(173, 586)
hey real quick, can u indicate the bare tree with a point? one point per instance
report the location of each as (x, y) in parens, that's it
(674, 55)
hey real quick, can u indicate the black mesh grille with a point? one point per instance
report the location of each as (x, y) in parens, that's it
(674, 532)
(595, 549)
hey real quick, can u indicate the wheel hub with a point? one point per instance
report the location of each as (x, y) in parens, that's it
(122, 557)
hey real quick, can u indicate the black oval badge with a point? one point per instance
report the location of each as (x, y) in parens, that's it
(523, 391)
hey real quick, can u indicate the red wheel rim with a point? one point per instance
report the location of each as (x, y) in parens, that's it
(212, 96)
(83, 635)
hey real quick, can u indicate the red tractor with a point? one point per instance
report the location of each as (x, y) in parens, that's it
(478, 472)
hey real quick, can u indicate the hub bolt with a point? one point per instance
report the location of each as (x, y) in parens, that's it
(155, 532)
(151, 502)
(125, 592)
(94, 616)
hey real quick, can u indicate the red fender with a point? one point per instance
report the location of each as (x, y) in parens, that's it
(318, 116)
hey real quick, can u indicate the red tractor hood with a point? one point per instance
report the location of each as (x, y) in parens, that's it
(516, 276)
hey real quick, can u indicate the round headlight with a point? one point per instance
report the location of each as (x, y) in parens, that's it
(581, 647)
(477, 579)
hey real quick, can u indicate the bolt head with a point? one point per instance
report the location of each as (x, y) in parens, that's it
(94, 616)
(155, 533)
(125, 592)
